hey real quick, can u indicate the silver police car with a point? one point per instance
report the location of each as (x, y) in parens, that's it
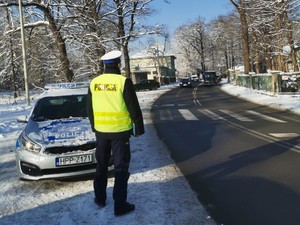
(57, 141)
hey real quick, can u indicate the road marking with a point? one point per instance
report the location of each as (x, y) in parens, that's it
(172, 105)
(289, 118)
(167, 105)
(284, 135)
(195, 92)
(271, 137)
(165, 114)
(269, 118)
(268, 138)
(187, 114)
(180, 105)
(197, 102)
(211, 114)
(236, 116)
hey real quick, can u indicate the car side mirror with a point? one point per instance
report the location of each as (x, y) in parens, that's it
(22, 119)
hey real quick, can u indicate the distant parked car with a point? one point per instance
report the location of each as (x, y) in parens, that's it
(147, 85)
(195, 78)
(185, 82)
(210, 78)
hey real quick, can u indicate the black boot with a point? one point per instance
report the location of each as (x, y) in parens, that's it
(124, 209)
(99, 203)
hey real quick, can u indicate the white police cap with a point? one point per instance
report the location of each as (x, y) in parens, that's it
(112, 57)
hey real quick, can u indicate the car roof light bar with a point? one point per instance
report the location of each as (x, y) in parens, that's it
(71, 85)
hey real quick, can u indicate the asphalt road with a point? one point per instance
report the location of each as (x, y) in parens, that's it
(242, 159)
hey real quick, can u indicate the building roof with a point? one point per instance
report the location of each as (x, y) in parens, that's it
(148, 53)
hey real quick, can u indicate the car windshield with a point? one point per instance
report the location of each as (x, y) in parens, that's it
(209, 74)
(60, 107)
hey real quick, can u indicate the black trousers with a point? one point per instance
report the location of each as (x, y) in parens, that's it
(121, 159)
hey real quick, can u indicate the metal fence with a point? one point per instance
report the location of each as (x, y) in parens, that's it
(276, 82)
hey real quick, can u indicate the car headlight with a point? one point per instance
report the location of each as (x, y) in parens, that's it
(28, 145)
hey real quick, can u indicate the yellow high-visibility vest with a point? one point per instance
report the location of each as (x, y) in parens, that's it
(110, 111)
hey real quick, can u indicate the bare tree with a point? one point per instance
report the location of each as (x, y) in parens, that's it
(267, 28)
(9, 54)
(85, 29)
(35, 7)
(224, 35)
(191, 45)
(82, 31)
(289, 29)
(127, 12)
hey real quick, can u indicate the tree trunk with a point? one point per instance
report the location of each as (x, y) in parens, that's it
(245, 40)
(124, 43)
(100, 48)
(14, 77)
(121, 35)
(226, 59)
(60, 43)
(127, 61)
(291, 42)
(245, 37)
(202, 54)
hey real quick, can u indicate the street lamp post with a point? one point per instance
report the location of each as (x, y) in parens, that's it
(24, 53)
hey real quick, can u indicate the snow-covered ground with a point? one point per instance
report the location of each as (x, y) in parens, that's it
(284, 102)
(156, 186)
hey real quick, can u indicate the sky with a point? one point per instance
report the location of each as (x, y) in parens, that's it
(156, 186)
(179, 12)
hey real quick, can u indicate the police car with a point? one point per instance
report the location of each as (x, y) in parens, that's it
(57, 141)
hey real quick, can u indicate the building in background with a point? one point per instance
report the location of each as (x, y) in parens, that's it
(153, 64)
(297, 50)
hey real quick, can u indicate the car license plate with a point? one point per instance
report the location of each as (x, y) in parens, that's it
(73, 160)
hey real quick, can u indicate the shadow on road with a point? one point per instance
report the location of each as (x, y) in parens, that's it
(257, 186)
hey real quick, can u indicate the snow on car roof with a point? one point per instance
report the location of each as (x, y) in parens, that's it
(69, 85)
(63, 89)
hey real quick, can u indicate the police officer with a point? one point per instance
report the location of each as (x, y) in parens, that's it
(115, 115)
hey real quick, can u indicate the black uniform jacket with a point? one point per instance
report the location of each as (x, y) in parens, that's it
(133, 107)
